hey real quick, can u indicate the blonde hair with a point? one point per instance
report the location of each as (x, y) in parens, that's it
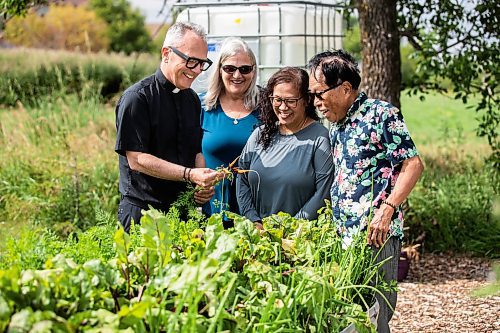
(230, 47)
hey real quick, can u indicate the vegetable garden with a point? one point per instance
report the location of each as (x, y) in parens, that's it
(174, 276)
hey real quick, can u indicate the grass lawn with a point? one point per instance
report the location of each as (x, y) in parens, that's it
(440, 118)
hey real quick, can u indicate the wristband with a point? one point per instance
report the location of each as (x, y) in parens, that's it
(184, 174)
(390, 204)
(189, 175)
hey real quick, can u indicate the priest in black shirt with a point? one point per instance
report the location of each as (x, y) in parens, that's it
(158, 136)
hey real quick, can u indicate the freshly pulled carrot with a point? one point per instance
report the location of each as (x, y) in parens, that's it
(231, 165)
(240, 171)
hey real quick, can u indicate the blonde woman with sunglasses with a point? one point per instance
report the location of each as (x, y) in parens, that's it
(228, 118)
(290, 153)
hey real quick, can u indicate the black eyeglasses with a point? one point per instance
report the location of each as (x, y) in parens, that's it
(276, 101)
(319, 94)
(192, 62)
(230, 69)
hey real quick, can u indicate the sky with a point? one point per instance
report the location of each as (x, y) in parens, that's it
(149, 9)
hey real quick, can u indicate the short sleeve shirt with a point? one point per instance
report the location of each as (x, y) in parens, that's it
(369, 146)
(154, 117)
(223, 140)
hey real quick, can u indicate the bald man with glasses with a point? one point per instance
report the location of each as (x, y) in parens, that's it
(158, 138)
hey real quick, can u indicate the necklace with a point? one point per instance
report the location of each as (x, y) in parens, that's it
(237, 118)
(233, 107)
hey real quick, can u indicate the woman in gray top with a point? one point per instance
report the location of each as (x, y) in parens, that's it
(289, 155)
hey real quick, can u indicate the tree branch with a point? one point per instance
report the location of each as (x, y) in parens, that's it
(412, 36)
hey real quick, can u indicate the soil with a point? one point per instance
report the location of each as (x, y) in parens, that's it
(436, 297)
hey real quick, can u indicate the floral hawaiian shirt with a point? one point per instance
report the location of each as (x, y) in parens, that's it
(369, 146)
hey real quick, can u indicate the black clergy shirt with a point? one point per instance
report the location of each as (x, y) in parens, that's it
(151, 118)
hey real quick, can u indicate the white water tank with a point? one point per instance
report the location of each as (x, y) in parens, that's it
(280, 33)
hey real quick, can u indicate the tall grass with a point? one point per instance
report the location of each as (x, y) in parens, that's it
(453, 206)
(57, 165)
(27, 75)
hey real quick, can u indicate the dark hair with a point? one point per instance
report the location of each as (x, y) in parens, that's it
(337, 66)
(297, 77)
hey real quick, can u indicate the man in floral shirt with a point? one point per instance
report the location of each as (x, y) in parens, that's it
(376, 162)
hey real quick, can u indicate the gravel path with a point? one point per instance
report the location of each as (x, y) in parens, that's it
(436, 297)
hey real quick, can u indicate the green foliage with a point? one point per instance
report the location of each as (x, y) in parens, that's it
(172, 276)
(158, 38)
(126, 29)
(435, 120)
(352, 41)
(453, 205)
(456, 50)
(65, 73)
(408, 66)
(459, 45)
(55, 169)
(66, 27)
(34, 245)
(29, 249)
(10, 8)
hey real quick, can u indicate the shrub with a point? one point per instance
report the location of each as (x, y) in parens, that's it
(62, 27)
(125, 26)
(57, 74)
(56, 168)
(453, 205)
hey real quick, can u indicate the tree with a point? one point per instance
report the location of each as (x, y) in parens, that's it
(62, 27)
(11, 8)
(126, 29)
(453, 40)
(380, 42)
(352, 44)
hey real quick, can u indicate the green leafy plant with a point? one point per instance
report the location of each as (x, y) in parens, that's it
(173, 276)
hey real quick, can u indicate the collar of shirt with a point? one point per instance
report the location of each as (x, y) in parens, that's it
(169, 86)
(352, 110)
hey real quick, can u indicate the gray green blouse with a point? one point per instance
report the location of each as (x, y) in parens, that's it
(293, 175)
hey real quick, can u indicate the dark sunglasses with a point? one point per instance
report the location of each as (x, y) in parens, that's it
(319, 94)
(192, 62)
(230, 69)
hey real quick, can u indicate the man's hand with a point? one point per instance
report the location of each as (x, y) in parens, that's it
(258, 225)
(379, 225)
(205, 177)
(202, 195)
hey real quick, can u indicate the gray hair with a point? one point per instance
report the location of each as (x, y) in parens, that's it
(176, 33)
(230, 47)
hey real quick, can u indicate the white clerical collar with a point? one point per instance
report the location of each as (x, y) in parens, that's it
(176, 90)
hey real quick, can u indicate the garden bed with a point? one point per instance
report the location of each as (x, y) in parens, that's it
(171, 276)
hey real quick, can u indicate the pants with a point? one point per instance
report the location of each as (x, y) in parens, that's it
(389, 272)
(128, 212)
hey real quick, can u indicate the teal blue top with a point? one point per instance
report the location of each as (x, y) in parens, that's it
(223, 140)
